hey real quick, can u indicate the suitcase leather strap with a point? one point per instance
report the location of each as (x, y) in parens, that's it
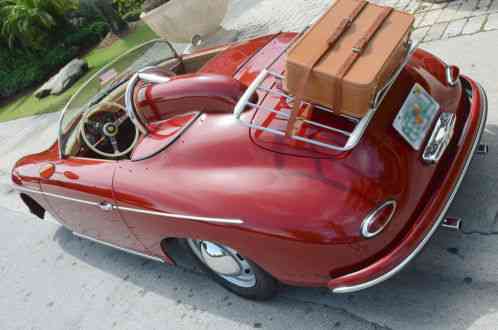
(338, 32)
(358, 50)
(346, 23)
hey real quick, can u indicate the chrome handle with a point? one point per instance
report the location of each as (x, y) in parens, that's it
(106, 207)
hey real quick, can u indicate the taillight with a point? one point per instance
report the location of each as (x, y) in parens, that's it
(378, 219)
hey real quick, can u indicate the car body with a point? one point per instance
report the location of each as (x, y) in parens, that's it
(295, 210)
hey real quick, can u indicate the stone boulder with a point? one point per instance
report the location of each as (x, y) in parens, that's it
(66, 77)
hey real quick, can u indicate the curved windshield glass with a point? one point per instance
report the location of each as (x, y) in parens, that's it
(108, 82)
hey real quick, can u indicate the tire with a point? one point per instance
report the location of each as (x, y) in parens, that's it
(252, 283)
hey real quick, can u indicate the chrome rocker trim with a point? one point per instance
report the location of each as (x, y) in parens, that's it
(442, 216)
(118, 247)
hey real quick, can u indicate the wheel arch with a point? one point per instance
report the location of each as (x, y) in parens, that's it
(174, 252)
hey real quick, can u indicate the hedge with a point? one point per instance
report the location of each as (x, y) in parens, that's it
(21, 69)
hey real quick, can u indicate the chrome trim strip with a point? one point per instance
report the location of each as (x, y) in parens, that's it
(397, 269)
(56, 196)
(129, 209)
(370, 217)
(185, 217)
(140, 254)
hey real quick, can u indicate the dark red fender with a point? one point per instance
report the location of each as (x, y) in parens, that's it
(89, 180)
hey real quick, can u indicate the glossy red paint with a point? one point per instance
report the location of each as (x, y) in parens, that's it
(90, 180)
(301, 207)
(162, 134)
(445, 182)
(207, 93)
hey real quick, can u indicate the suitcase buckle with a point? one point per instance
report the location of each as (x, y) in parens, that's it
(357, 50)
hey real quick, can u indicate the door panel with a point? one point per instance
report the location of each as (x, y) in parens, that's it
(80, 191)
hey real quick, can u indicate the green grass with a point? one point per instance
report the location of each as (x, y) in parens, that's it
(28, 105)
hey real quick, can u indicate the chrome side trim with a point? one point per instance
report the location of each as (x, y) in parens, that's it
(185, 217)
(442, 216)
(118, 247)
(77, 200)
(369, 219)
(141, 211)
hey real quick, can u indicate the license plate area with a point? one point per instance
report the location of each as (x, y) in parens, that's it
(416, 116)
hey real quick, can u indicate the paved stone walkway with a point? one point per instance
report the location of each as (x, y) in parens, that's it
(433, 21)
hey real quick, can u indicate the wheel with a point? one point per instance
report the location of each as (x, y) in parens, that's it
(231, 270)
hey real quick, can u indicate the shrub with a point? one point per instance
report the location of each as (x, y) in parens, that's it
(22, 68)
(87, 36)
(127, 8)
(132, 16)
(29, 23)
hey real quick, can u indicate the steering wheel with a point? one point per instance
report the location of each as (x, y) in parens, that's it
(100, 130)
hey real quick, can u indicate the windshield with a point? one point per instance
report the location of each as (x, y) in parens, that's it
(110, 79)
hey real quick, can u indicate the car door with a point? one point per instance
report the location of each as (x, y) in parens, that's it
(80, 192)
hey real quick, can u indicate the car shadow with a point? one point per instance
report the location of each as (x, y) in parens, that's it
(452, 284)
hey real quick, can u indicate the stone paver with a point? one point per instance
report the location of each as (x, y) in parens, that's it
(492, 23)
(455, 28)
(449, 12)
(263, 16)
(436, 32)
(474, 25)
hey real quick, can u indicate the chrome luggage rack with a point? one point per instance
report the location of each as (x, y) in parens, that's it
(352, 137)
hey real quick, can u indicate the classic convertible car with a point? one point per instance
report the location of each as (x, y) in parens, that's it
(158, 147)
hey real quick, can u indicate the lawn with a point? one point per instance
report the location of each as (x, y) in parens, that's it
(28, 105)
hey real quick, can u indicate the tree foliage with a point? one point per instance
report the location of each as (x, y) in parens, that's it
(29, 23)
(106, 10)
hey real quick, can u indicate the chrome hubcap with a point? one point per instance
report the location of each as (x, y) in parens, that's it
(225, 262)
(219, 260)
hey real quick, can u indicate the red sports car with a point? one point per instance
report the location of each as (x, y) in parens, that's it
(159, 147)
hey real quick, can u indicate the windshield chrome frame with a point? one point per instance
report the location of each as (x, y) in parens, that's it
(94, 76)
(141, 75)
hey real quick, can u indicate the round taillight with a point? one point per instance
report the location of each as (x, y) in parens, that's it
(378, 219)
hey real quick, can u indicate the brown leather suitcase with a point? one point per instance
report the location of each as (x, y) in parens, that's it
(347, 56)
